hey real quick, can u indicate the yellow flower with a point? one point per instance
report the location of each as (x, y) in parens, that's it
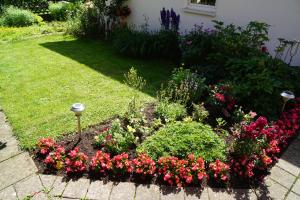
(130, 129)
(59, 165)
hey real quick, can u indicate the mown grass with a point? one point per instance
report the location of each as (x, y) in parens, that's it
(41, 78)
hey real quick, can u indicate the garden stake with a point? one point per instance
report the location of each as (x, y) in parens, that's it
(286, 96)
(78, 108)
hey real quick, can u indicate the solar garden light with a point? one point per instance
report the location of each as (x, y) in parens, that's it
(286, 96)
(78, 108)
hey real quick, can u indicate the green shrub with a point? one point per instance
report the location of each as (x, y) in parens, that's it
(258, 81)
(115, 140)
(62, 10)
(184, 87)
(170, 111)
(145, 44)
(183, 138)
(36, 6)
(89, 21)
(15, 17)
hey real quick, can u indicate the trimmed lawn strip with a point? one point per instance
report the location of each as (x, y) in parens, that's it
(41, 78)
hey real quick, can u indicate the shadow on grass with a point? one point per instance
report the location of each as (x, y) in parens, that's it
(100, 56)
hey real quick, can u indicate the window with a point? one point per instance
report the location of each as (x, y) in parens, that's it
(205, 7)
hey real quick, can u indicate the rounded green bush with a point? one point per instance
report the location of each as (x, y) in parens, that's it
(182, 138)
(18, 17)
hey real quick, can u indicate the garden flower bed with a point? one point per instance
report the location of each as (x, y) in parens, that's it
(135, 147)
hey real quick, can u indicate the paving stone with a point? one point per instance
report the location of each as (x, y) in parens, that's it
(47, 181)
(171, 193)
(196, 193)
(290, 167)
(149, 192)
(15, 169)
(8, 194)
(99, 190)
(282, 177)
(271, 190)
(293, 196)
(77, 188)
(58, 187)
(5, 131)
(29, 187)
(296, 187)
(10, 148)
(123, 191)
(220, 194)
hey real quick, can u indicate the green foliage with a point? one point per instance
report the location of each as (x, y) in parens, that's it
(89, 21)
(61, 11)
(183, 87)
(37, 6)
(182, 138)
(234, 53)
(145, 44)
(16, 17)
(199, 112)
(170, 111)
(115, 140)
(8, 34)
(258, 81)
(133, 80)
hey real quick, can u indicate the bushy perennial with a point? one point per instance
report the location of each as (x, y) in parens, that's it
(181, 172)
(76, 162)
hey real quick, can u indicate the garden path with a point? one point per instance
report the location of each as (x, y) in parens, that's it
(19, 179)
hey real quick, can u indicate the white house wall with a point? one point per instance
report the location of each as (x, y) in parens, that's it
(282, 15)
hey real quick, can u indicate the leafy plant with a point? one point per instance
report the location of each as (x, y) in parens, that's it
(61, 11)
(115, 140)
(76, 162)
(182, 138)
(183, 87)
(133, 80)
(36, 6)
(138, 83)
(181, 172)
(144, 44)
(17, 17)
(170, 112)
(199, 112)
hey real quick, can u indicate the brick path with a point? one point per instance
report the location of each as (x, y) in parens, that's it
(18, 179)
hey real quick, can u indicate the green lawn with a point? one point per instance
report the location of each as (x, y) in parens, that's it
(41, 78)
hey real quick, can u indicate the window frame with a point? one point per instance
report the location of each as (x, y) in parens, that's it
(201, 9)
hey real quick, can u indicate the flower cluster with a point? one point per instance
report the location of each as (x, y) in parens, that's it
(144, 165)
(169, 17)
(259, 142)
(220, 96)
(101, 162)
(55, 159)
(46, 145)
(219, 170)
(255, 129)
(121, 164)
(181, 172)
(76, 161)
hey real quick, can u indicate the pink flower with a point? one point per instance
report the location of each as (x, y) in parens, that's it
(220, 97)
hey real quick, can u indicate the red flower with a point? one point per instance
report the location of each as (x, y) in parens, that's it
(220, 97)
